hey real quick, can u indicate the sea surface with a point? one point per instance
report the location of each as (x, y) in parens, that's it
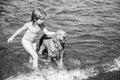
(92, 27)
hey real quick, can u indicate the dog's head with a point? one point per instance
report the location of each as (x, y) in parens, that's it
(61, 36)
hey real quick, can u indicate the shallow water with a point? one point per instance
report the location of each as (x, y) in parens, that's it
(92, 27)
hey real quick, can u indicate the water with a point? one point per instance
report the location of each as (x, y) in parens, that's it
(92, 27)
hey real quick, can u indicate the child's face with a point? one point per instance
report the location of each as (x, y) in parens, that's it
(40, 20)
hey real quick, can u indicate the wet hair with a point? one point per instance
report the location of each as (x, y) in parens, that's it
(37, 14)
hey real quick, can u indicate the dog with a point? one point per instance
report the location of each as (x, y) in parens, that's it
(54, 47)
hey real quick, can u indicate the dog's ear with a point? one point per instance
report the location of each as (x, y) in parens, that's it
(55, 36)
(65, 36)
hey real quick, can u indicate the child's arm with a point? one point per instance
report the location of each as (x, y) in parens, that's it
(45, 30)
(49, 33)
(17, 32)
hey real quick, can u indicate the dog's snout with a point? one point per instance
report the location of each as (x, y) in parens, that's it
(64, 38)
(61, 40)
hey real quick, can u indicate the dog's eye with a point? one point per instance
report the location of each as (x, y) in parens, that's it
(64, 38)
(60, 40)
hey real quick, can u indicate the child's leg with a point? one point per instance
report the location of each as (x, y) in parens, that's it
(29, 47)
(35, 48)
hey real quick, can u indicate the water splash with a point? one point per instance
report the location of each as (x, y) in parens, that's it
(76, 74)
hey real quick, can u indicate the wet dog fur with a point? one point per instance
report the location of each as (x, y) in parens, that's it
(53, 47)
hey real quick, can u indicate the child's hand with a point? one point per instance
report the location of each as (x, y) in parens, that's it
(10, 39)
(52, 35)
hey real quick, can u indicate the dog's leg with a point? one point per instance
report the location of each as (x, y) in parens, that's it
(61, 61)
(58, 64)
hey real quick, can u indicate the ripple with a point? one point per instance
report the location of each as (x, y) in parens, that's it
(92, 28)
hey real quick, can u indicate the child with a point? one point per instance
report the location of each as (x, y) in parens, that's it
(32, 28)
